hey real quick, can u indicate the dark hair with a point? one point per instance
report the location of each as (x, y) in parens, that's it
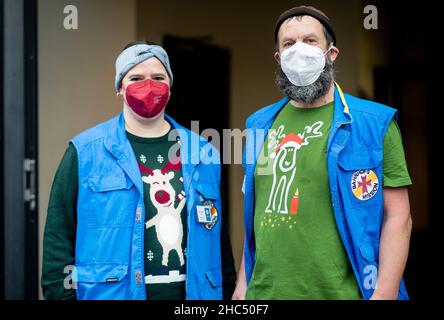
(328, 37)
(290, 14)
(135, 43)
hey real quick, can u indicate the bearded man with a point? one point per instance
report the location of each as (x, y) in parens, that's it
(326, 206)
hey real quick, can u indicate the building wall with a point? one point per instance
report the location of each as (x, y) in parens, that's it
(76, 76)
(247, 29)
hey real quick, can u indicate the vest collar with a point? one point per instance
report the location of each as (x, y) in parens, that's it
(341, 111)
(191, 143)
(265, 120)
(117, 143)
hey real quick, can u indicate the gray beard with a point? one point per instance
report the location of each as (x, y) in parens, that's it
(307, 94)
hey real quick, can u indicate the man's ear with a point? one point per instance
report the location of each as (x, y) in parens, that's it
(277, 57)
(334, 52)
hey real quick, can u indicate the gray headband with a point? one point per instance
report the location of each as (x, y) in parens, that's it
(136, 54)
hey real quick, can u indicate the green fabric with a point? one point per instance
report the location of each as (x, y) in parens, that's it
(169, 275)
(60, 230)
(60, 235)
(299, 252)
(395, 172)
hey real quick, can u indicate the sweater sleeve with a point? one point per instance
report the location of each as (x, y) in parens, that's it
(60, 231)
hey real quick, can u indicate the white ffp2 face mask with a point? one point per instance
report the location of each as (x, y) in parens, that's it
(303, 63)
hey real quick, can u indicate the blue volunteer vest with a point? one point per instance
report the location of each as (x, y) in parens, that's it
(355, 151)
(109, 255)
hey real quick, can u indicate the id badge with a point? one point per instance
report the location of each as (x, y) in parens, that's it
(204, 213)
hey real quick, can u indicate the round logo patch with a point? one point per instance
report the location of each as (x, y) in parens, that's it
(364, 184)
(210, 225)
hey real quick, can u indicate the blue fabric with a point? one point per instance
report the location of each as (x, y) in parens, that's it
(355, 142)
(136, 54)
(109, 245)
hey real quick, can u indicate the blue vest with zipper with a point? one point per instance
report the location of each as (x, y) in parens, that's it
(109, 255)
(355, 143)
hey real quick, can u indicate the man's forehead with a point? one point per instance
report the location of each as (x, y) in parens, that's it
(300, 26)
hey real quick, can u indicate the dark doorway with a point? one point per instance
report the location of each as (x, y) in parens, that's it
(409, 84)
(18, 113)
(31, 147)
(201, 82)
(201, 87)
(2, 183)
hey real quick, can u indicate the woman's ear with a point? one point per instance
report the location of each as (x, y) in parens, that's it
(121, 91)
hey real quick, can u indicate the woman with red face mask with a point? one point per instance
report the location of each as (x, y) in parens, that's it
(135, 209)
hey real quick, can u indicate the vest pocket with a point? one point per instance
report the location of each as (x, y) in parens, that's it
(214, 278)
(208, 190)
(112, 201)
(360, 177)
(101, 281)
(208, 193)
(214, 289)
(368, 265)
(369, 252)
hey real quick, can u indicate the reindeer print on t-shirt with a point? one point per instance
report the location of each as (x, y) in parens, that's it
(284, 158)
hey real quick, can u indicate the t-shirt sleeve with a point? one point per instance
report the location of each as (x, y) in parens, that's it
(60, 230)
(395, 172)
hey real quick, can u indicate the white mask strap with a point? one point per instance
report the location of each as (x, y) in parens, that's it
(328, 49)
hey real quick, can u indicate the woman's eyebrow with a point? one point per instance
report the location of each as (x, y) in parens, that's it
(158, 74)
(134, 75)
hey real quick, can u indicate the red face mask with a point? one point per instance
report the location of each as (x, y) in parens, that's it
(147, 98)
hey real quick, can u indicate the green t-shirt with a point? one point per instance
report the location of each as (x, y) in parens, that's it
(299, 252)
(165, 217)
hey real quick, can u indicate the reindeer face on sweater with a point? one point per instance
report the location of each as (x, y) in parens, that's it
(162, 193)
